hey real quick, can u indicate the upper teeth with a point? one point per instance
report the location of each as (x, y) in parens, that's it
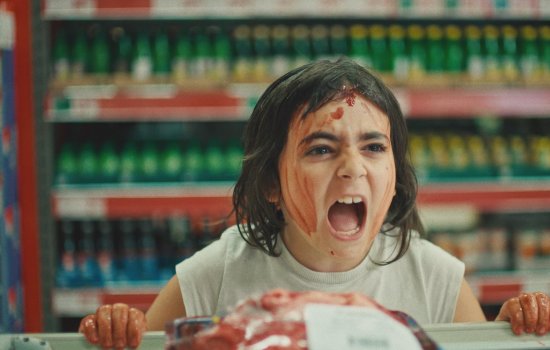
(349, 200)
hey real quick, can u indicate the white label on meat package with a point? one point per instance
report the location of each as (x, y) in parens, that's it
(331, 327)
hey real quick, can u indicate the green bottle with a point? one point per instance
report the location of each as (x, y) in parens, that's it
(215, 162)
(379, 48)
(162, 56)
(529, 64)
(129, 163)
(201, 62)
(262, 50)
(320, 42)
(281, 60)
(416, 38)
(80, 56)
(67, 165)
(338, 41)
(88, 164)
(182, 58)
(149, 162)
(398, 50)
(172, 163)
(359, 45)
(194, 163)
(61, 60)
(242, 66)
(301, 45)
(122, 53)
(142, 66)
(101, 58)
(492, 53)
(233, 159)
(109, 163)
(475, 64)
(510, 54)
(435, 49)
(222, 57)
(545, 51)
(454, 50)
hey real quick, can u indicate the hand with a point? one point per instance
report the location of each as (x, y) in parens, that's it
(114, 326)
(529, 312)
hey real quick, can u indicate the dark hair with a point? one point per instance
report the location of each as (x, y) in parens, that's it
(307, 89)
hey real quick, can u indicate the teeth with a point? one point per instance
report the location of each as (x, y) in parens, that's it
(349, 200)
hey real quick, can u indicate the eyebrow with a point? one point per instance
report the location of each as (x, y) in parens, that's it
(331, 137)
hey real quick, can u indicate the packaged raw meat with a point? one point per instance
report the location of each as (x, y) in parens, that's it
(283, 320)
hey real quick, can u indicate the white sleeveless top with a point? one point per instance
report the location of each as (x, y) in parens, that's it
(424, 283)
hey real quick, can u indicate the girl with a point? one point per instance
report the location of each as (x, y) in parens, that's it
(325, 201)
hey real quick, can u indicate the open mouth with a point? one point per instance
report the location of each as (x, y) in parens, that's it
(346, 215)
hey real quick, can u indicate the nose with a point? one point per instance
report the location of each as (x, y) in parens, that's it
(352, 165)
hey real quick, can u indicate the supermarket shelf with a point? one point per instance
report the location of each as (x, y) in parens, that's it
(193, 200)
(170, 102)
(202, 198)
(189, 9)
(75, 302)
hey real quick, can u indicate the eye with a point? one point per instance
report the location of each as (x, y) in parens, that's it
(319, 150)
(376, 147)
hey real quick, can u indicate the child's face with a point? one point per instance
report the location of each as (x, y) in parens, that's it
(340, 153)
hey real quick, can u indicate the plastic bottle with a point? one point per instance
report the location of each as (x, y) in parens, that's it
(301, 45)
(68, 273)
(435, 49)
(338, 38)
(172, 163)
(130, 266)
(142, 65)
(109, 163)
(182, 58)
(359, 45)
(194, 162)
(80, 56)
(545, 50)
(492, 53)
(454, 50)
(61, 60)
(149, 162)
(148, 258)
(399, 63)
(262, 50)
(281, 62)
(379, 48)
(105, 252)
(242, 66)
(101, 56)
(320, 42)
(475, 64)
(122, 53)
(180, 235)
(510, 54)
(529, 63)
(67, 165)
(215, 161)
(202, 60)
(89, 267)
(416, 37)
(161, 54)
(129, 163)
(221, 70)
(233, 159)
(88, 162)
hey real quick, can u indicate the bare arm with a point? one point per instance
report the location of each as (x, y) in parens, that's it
(467, 306)
(168, 305)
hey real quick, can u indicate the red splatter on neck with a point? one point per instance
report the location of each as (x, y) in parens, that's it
(350, 98)
(338, 113)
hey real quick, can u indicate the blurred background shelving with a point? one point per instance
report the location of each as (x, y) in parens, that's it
(142, 104)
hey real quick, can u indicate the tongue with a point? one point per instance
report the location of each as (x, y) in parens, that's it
(343, 217)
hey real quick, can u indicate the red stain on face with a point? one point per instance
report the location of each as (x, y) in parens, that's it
(350, 98)
(338, 113)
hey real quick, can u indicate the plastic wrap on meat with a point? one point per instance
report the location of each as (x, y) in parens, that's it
(271, 321)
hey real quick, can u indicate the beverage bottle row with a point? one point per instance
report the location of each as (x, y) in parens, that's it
(259, 52)
(442, 155)
(147, 162)
(101, 252)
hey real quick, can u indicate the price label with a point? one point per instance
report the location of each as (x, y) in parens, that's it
(355, 328)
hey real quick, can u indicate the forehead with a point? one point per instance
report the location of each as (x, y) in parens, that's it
(353, 111)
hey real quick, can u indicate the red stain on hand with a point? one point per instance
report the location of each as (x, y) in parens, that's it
(338, 113)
